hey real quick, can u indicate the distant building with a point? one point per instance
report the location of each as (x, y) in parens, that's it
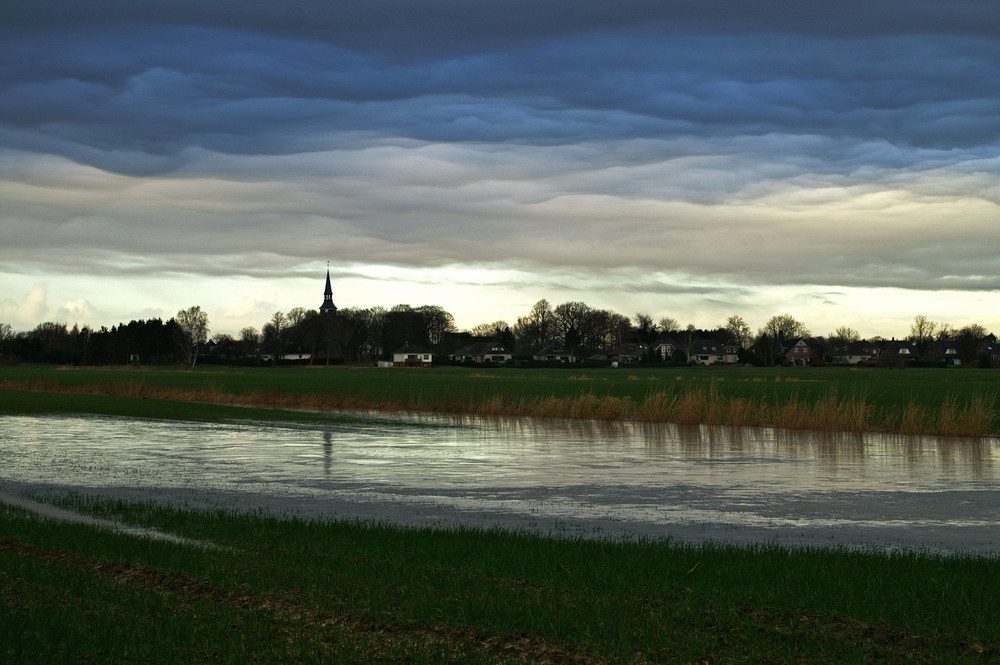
(711, 351)
(799, 353)
(630, 353)
(855, 353)
(412, 356)
(705, 352)
(555, 352)
(490, 351)
(328, 306)
(944, 352)
(897, 353)
(664, 349)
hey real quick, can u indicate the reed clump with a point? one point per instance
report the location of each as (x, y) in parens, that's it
(913, 419)
(615, 408)
(583, 406)
(741, 412)
(656, 408)
(970, 419)
(688, 408)
(717, 408)
(792, 414)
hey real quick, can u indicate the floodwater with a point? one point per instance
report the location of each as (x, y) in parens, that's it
(563, 477)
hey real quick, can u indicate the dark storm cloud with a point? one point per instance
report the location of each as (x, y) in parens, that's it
(143, 81)
(433, 26)
(427, 133)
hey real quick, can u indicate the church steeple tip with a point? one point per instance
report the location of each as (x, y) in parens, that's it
(327, 305)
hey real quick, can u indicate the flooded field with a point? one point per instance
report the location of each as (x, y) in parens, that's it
(594, 479)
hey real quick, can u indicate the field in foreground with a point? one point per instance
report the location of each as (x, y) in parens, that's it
(912, 401)
(278, 591)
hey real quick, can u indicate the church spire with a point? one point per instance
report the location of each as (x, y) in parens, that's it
(327, 305)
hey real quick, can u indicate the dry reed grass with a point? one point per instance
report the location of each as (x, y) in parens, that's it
(701, 405)
(743, 413)
(913, 419)
(656, 408)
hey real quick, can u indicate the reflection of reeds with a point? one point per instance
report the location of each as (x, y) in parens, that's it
(684, 405)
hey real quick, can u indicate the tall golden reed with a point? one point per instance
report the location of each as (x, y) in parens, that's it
(685, 407)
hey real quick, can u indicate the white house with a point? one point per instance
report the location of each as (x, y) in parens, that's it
(412, 356)
(706, 352)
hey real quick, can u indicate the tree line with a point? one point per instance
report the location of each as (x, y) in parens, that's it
(369, 334)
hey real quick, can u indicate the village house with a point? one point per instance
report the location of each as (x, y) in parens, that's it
(293, 351)
(630, 353)
(710, 352)
(990, 351)
(555, 353)
(412, 356)
(704, 352)
(483, 352)
(664, 349)
(944, 352)
(799, 353)
(731, 353)
(897, 352)
(854, 353)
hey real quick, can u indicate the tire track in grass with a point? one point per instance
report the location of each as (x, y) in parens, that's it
(53, 512)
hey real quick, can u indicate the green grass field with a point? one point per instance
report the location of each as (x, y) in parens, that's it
(950, 402)
(280, 591)
(273, 590)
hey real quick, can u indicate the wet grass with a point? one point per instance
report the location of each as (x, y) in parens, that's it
(913, 401)
(300, 591)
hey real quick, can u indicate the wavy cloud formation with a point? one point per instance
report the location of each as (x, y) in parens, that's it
(772, 144)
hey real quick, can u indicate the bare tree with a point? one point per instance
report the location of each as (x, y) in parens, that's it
(193, 325)
(437, 322)
(6, 334)
(776, 332)
(738, 329)
(645, 327)
(843, 335)
(619, 329)
(367, 330)
(296, 315)
(249, 344)
(489, 329)
(945, 332)
(575, 323)
(689, 333)
(375, 325)
(537, 328)
(668, 324)
(970, 341)
(922, 332)
(274, 332)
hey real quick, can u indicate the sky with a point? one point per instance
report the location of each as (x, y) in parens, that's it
(839, 162)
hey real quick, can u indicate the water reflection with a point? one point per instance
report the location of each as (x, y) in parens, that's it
(609, 478)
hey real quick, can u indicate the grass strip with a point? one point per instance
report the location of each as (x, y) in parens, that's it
(308, 591)
(17, 402)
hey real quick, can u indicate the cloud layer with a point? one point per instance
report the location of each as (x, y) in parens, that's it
(770, 144)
